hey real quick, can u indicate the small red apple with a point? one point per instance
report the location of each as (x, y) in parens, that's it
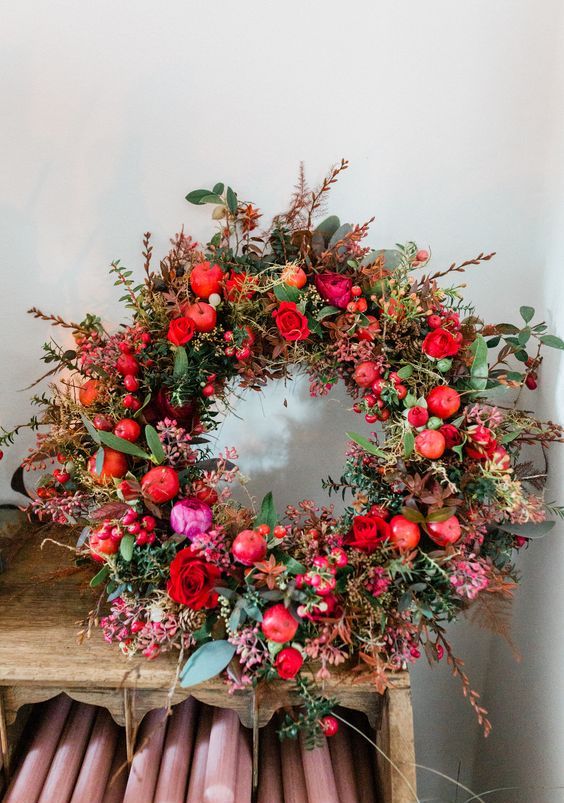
(206, 279)
(278, 624)
(404, 534)
(365, 373)
(114, 465)
(128, 429)
(444, 532)
(294, 276)
(103, 423)
(417, 416)
(249, 547)
(430, 443)
(160, 484)
(443, 401)
(89, 392)
(203, 315)
(127, 365)
(106, 546)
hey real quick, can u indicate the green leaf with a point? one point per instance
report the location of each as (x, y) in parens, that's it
(285, 292)
(99, 461)
(208, 661)
(180, 362)
(328, 227)
(338, 235)
(231, 200)
(367, 445)
(441, 515)
(92, 431)
(412, 515)
(479, 369)
(531, 530)
(121, 445)
(102, 575)
(493, 342)
(218, 188)
(126, 547)
(253, 612)
(405, 372)
(326, 312)
(507, 328)
(314, 326)
(211, 198)
(292, 565)
(527, 313)
(267, 514)
(408, 443)
(552, 341)
(510, 436)
(195, 197)
(154, 444)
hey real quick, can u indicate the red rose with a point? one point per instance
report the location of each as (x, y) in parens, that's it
(192, 580)
(288, 663)
(451, 435)
(290, 321)
(334, 288)
(441, 343)
(180, 331)
(368, 532)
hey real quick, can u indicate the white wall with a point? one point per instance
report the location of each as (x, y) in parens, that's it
(451, 115)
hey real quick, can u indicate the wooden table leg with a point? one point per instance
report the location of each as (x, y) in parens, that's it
(130, 722)
(255, 743)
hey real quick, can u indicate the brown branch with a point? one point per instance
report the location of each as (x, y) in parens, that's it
(325, 187)
(56, 320)
(454, 268)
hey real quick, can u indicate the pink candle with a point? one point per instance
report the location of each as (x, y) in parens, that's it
(244, 784)
(318, 771)
(200, 757)
(221, 769)
(117, 780)
(270, 770)
(145, 765)
(292, 772)
(49, 721)
(65, 766)
(177, 753)
(97, 762)
(343, 760)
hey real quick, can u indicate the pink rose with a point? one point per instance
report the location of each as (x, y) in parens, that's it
(334, 288)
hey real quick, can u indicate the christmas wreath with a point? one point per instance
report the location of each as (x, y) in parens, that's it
(437, 500)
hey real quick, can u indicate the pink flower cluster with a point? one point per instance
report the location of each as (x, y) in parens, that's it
(126, 625)
(213, 546)
(469, 577)
(379, 581)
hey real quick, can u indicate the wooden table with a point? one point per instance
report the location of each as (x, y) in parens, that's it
(42, 599)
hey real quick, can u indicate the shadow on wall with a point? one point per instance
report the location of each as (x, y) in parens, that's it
(288, 449)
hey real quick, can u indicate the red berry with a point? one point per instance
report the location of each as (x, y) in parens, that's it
(263, 529)
(279, 531)
(378, 386)
(124, 347)
(370, 400)
(361, 305)
(434, 321)
(531, 381)
(128, 429)
(127, 364)
(356, 290)
(208, 391)
(103, 423)
(149, 523)
(339, 556)
(130, 383)
(329, 725)
(401, 390)
(131, 402)
(430, 443)
(404, 534)
(371, 418)
(422, 256)
(357, 408)
(384, 414)
(243, 353)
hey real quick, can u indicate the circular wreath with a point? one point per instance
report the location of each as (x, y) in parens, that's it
(437, 500)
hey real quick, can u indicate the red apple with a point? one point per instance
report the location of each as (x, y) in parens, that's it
(370, 331)
(404, 534)
(206, 279)
(443, 401)
(444, 532)
(106, 546)
(160, 484)
(249, 547)
(278, 624)
(128, 429)
(417, 416)
(294, 276)
(114, 465)
(89, 392)
(430, 443)
(203, 315)
(365, 373)
(127, 365)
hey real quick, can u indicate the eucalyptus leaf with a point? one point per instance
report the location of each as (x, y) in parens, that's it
(367, 445)
(231, 200)
(531, 530)
(285, 292)
(154, 444)
(211, 198)
(338, 235)
(195, 197)
(218, 188)
(99, 466)
(408, 443)
(552, 341)
(126, 547)
(326, 312)
(479, 368)
(527, 313)
(121, 445)
(102, 575)
(328, 227)
(206, 662)
(92, 431)
(180, 362)
(85, 532)
(405, 371)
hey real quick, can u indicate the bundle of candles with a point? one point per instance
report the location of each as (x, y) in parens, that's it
(75, 753)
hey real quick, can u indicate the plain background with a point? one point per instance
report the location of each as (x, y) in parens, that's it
(451, 114)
